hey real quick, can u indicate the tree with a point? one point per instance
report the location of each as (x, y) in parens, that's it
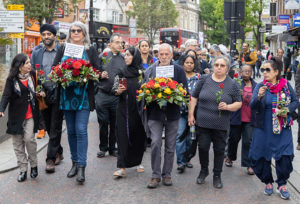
(212, 14)
(154, 14)
(43, 9)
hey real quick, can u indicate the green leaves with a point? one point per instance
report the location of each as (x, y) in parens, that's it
(154, 14)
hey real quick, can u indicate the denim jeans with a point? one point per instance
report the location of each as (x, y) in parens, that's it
(77, 122)
(183, 142)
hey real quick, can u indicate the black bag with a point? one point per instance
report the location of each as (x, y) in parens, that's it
(52, 96)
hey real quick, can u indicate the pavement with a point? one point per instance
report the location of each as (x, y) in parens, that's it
(101, 188)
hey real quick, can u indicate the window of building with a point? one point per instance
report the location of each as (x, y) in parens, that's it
(96, 14)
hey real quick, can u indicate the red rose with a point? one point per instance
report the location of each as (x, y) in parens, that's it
(65, 80)
(88, 76)
(37, 66)
(69, 60)
(137, 92)
(236, 75)
(162, 84)
(221, 85)
(151, 61)
(59, 73)
(76, 72)
(172, 85)
(153, 97)
(76, 65)
(105, 54)
(41, 72)
(168, 97)
(81, 61)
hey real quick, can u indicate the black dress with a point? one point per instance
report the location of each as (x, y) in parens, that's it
(130, 131)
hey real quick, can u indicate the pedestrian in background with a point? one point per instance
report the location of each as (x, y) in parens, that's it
(297, 86)
(130, 131)
(260, 59)
(147, 59)
(272, 134)
(213, 116)
(77, 115)
(53, 116)
(183, 140)
(241, 123)
(23, 113)
(248, 57)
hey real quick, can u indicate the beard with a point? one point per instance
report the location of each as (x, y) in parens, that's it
(48, 42)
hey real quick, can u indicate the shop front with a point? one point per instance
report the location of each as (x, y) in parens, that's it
(32, 36)
(101, 35)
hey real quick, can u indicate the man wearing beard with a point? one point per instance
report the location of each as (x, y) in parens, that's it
(53, 117)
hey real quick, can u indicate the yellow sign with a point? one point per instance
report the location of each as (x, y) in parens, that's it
(13, 7)
(16, 35)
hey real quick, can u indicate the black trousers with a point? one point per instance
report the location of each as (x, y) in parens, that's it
(237, 132)
(106, 106)
(262, 169)
(298, 120)
(218, 138)
(42, 125)
(53, 118)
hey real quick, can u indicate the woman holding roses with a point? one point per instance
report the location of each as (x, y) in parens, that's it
(77, 101)
(130, 131)
(274, 101)
(215, 96)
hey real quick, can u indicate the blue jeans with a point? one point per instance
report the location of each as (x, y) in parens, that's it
(182, 145)
(77, 122)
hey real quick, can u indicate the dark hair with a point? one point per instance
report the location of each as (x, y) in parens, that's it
(144, 41)
(113, 36)
(62, 36)
(183, 59)
(137, 59)
(190, 50)
(176, 55)
(18, 61)
(276, 64)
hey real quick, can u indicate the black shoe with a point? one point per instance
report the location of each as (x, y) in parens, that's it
(80, 174)
(189, 165)
(217, 182)
(180, 169)
(114, 153)
(22, 176)
(34, 172)
(201, 177)
(73, 170)
(101, 154)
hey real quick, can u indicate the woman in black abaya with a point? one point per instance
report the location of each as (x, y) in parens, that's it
(130, 131)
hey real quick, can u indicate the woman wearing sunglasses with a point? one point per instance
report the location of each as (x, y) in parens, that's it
(77, 101)
(273, 101)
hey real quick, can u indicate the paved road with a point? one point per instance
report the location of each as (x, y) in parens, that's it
(101, 188)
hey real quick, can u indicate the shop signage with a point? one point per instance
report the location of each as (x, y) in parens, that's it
(278, 28)
(16, 35)
(102, 30)
(296, 19)
(13, 7)
(283, 19)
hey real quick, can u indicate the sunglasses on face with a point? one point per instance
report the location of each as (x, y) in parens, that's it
(76, 31)
(265, 69)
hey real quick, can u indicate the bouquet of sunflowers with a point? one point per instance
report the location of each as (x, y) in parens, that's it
(162, 91)
(73, 70)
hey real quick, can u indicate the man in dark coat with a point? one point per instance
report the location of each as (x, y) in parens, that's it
(106, 99)
(44, 56)
(167, 118)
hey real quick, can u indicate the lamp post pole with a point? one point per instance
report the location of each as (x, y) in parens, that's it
(91, 23)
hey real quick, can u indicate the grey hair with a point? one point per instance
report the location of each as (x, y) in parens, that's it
(215, 48)
(225, 58)
(165, 45)
(111, 39)
(190, 42)
(86, 40)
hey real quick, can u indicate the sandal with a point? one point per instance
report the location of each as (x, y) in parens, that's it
(140, 168)
(228, 162)
(250, 171)
(119, 173)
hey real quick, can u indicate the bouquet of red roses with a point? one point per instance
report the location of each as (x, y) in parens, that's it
(40, 78)
(73, 70)
(162, 91)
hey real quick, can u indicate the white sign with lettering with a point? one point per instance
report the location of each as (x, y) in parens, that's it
(165, 71)
(74, 51)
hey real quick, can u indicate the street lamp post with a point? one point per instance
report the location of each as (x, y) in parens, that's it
(91, 22)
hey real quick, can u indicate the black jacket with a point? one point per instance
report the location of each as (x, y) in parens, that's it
(18, 106)
(172, 111)
(92, 54)
(114, 66)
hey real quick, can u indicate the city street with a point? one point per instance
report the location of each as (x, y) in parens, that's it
(100, 187)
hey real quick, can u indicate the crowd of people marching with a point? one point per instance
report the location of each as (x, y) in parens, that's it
(225, 105)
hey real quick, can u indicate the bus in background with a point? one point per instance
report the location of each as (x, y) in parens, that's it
(176, 36)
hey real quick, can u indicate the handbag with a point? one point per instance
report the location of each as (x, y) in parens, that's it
(41, 100)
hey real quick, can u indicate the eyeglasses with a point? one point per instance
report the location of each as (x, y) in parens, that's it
(265, 69)
(76, 31)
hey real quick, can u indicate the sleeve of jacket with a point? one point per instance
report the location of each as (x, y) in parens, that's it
(297, 82)
(59, 55)
(255, 103)
(6, 96)
(253, 58)
(294, 99)
(94, 58)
